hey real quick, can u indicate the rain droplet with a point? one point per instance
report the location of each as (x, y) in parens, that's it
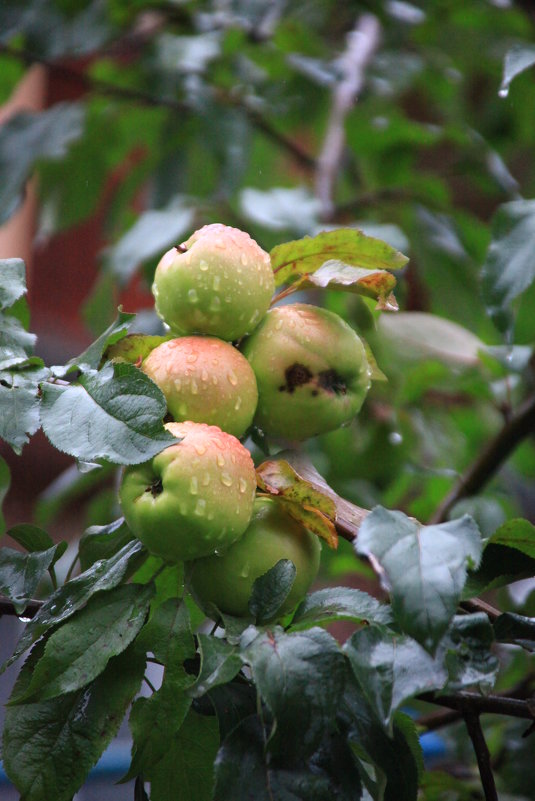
(200, 448)
(192, 296)
(206, 479)
(232, 378)
(178, 384)
(243, 259)
(503, 92)
(216, 282)
(244, 572)
(254, 317)
(243, 485)
(194, 387)
(200, 508)
(192, 358)
(226, 479)
(220, 460)
(395, 438)
(215, 303)
(278, 325)
(203, 265)
(238, 403)
(204, 375)
(194, 485)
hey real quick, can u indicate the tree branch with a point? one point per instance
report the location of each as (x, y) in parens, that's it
(517, 428)
(90, 84)
(362, 43)
(475, 732)
(491, 704)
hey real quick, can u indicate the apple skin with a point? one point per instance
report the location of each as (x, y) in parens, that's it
(311, 370)
(205, 380)
(218, 282)
(226, 580)
(192, 498)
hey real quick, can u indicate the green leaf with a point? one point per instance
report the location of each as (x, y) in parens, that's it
(466, 651)
(103, 542)
(300, 676)
(220, 663)
(281, 209)
(417, 335)
(233, 703)
(339, 603)
(115, 414)
(168, 635)
(390, 669)
(12, 281)
(304, 256)
(241, 772)
(393, 756)
(79, 651)
(103, 575)
(29, 137)
(271, 590)
(153, 232)
(187, 770)
(517, 533)
(19, 405)
(517, 629)
(16, 345)
(31, 538)
(423, 566)
(5, 481)
(500, 566)
(509, 268)
(334, 274)
(20, 574)
(50, 746)
(91, 357)
(518, 58)
(134, 348)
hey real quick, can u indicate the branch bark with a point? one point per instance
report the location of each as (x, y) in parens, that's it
(475, 732)
(362, 43)
(517, 428)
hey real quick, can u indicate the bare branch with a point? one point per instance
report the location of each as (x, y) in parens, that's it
(362, 43)
(475, 732)
(518, 427)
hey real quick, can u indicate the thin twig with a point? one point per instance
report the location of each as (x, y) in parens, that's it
(362, 43)
(518, 427)
(91, 84)
(477, 605)
(475, 732)
(491, 704)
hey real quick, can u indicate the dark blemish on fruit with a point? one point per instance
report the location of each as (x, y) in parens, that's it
(181, 248)
(314, 393)
(332, 382)
(296, 376)
(156, 488)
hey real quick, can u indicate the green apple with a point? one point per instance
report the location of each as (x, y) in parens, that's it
(218, 282)
(311, 370)
(194, 497)
(205, 380)
(226, 580)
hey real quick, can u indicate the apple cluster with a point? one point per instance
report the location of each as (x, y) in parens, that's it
(295, 371)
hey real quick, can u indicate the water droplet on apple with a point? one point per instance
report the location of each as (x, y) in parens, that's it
(192, 296)
(216, 282)
(220, 460)
(200, 448)
(178, 384)
(232, 378)
(238, 403)
(200, 508)
(226, 479)
(254, 317)
(192, 358)
(203, 265)
(194, 485)
(243, 485)
(243, 259)
(206, 479)
(194, 387)
(215, 303)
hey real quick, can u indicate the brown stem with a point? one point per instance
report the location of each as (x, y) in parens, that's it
(89, 83)
(491, 704)
(518, 427)
(475, 732)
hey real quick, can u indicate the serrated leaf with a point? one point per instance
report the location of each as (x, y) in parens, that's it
(220, 663)
(348, 245)
(340, 603)
(271, 590)
(20, 574)
(424, 568)
(293, 478)
(19, 405)
(115, 414)
(102, 542)
(12, 281)
(391, 668)
(28, 137)
(5, 482)
(50, 746)
(335, 275)
(187, 770)
(134, 348)
(518, 58)
(91, 357)
(79, 651)
(65, 601)
(509, 267)
(418, 335)
(152, 233)
(517, 533)
(300, 676)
